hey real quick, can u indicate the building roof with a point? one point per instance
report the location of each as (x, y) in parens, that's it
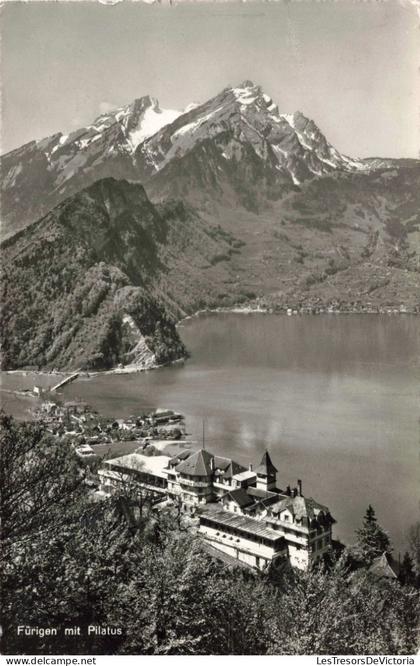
(182, 455)
(384, 566)
(266, 466)
(255, 527)
(203, 463)
(154, 465)
(222, 463)
(300, 507)
(109, 474)
(197, 464)
(240, 496)
(262, 494)
(163, 412)
(228, 468)
(244, 476)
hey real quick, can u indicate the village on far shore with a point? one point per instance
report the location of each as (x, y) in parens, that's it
(242, 515)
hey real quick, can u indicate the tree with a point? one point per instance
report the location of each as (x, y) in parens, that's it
(67, 560)
(184, 602)
(414, 545)
(372, 540)
(407, 575)
(40, 478)
(313, 613)
(331, 611)
(120, 563)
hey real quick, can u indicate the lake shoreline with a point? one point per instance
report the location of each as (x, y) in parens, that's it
(132, 369)
(337, 389)
(87, 374)
(293, 312)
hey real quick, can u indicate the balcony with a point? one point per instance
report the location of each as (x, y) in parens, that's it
(293, 534)
(223, 486)
(284, 525)
(241, 543)
(193, 484)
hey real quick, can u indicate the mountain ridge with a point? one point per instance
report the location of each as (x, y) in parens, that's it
(99, 281)
(65, 290)
(239, 204)
(136, 141)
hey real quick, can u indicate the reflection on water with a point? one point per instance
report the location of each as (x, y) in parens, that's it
(334, 399)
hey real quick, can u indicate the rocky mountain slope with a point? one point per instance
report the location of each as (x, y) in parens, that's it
(250, 205)
(347, 241)
(89, 285)
(41, 174)
(291, 143)
(138, 141)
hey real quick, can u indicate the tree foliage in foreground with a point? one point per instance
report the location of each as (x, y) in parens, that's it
(116, 564)
(414, 545)
(372, 540)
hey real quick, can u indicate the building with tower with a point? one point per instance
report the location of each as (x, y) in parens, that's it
(266, 474)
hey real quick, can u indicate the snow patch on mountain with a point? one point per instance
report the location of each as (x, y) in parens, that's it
(252, 116)
(191, 127)
(10, 178)
(296, 180)
(280, 152)
(289, 118)
(245, 95)
(191, 107)
(152, 121)
(138, 140)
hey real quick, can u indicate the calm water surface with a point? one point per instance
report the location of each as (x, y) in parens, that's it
(335, 399)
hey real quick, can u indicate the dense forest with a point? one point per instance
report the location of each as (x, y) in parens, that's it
(75, 290)
(144, 575)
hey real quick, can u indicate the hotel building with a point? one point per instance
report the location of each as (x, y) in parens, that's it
(241, 511)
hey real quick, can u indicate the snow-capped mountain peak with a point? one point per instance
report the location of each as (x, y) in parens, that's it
(293, 141)
(138, 140)
(145, 119)
(120, 131)
(151, 136)
(138, 120)
(247, 92)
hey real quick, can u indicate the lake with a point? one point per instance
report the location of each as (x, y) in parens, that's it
(333, 398)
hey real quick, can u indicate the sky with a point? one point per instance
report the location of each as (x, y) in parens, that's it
(351, 66)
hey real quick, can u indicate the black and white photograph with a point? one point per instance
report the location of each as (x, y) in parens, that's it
(210, 339)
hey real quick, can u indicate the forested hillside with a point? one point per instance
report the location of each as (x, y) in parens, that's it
(101, 280)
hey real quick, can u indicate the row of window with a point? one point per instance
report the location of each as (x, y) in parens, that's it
(191, 477)
(143, 477)
(287, 530)
(235, 531)
(198, 490)
(152, 480)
